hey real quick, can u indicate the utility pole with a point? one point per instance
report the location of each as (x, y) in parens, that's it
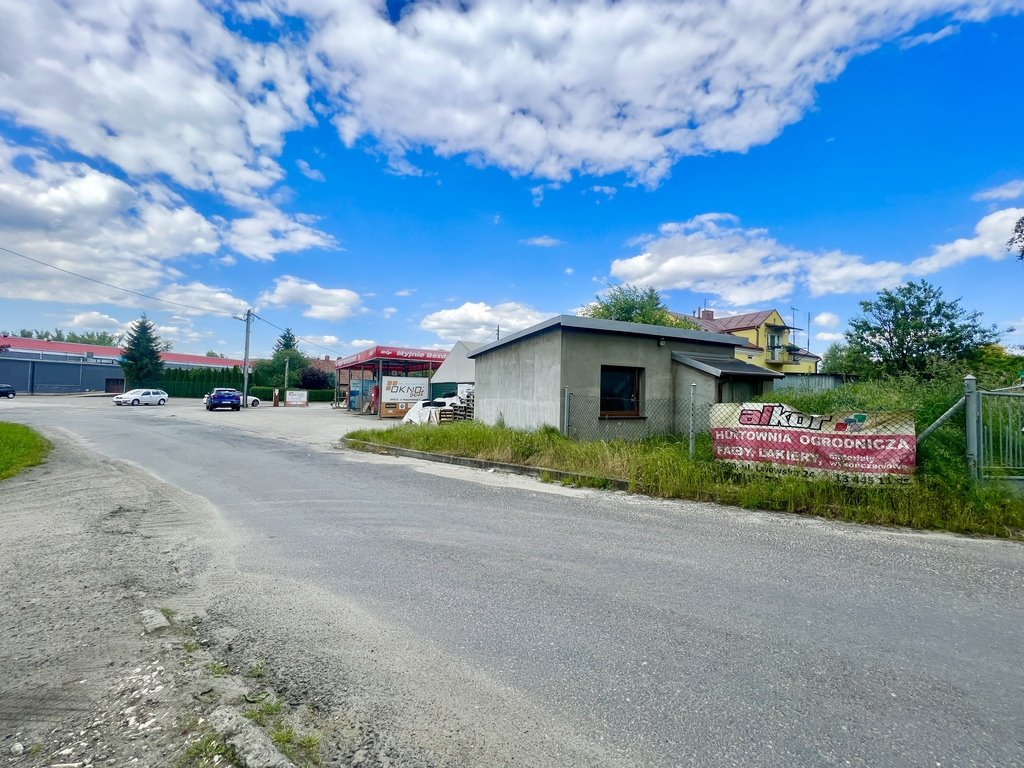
(245, 361)
(286, 361)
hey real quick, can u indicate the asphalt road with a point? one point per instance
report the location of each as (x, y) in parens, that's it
(598, 627)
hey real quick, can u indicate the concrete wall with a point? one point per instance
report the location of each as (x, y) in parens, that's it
(707, 393)
(520, 383)
(585, 352)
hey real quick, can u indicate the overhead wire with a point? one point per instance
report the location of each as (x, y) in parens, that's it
(116, 287)
(298, 338)
(164, 301)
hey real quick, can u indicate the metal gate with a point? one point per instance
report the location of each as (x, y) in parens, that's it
(1001, 433)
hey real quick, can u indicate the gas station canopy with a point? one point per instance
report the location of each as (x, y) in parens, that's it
(392, 361)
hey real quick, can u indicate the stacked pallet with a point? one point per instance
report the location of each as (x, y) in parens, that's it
(464, 411)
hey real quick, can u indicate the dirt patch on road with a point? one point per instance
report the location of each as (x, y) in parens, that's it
(95, 667)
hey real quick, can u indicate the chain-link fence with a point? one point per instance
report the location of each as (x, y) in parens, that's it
(654, 417)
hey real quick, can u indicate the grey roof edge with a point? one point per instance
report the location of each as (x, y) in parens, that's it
(700, 365)
(614, 326)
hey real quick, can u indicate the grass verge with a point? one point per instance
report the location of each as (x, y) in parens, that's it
(20, 448)
(940, 498)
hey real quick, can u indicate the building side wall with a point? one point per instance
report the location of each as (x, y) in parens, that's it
(47, 377)
(520, 383)
(705, 394)
(586, 352)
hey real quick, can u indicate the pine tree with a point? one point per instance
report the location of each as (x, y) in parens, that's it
(286, 340)
(140, 357)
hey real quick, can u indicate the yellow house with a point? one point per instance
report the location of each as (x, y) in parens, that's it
(769, 340)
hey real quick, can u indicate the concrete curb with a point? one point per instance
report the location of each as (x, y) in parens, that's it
(540, 473)
(252, 746)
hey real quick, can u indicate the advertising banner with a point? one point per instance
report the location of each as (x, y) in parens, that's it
(398, 393)
(853, 448)
(296, 397)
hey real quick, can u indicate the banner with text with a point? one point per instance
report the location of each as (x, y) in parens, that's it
(853, 448)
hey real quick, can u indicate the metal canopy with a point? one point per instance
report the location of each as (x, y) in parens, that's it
(723, 367)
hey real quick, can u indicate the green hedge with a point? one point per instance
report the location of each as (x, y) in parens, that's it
(196, 382)
(266, 394)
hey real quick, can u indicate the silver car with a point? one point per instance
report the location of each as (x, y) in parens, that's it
(142, 397)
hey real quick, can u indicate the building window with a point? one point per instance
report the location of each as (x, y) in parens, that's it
(620, 391)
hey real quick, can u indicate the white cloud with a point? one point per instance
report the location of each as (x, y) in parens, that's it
(388, 312)
(543, 241)
(538, 192)
(97, 321)
(268, 232)
(310, 173)
(927, 38)
(829, 336)
(321, 303)
(324, 341)
(1011, 190)
(90, 223)
(709, 254)
(476, 321)
(362, 343)
(608, 192)
(206, 297)
(530, 87)
(405, 292)
(826, 319)
(712, 254)
(159, 88)
(569, 270)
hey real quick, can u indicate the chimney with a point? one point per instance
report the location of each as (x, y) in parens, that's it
(327, 358)
(707, 314)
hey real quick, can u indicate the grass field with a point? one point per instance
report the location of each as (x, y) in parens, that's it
(20, 448)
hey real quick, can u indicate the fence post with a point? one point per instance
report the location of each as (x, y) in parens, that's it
(693, 418)
(971, 414)
(565, 419)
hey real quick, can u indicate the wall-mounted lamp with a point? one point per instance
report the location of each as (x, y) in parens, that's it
(661, 342)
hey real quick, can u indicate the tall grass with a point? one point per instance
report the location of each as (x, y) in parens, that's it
(20, 448)
(940, 498)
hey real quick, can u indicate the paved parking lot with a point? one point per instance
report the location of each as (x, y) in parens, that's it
(316, 424)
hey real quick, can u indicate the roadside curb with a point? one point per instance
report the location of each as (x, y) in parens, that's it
(541, 473)
(252, 746)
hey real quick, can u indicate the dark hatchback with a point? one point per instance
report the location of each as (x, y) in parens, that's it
(6, 390)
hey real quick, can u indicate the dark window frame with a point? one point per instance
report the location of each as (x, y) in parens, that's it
(621, 392)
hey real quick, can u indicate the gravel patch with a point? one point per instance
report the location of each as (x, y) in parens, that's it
(95, 667)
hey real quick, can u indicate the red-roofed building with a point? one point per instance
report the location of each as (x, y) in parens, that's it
(38, 366)
(770, 343)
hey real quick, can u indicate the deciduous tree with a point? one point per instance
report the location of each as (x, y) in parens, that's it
(632, 304)
(1016, 241)
(906, 331)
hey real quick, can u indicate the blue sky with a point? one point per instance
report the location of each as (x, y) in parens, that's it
(418, 173)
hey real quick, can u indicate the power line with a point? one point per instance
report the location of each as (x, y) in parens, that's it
(115, 287)
(165, 301)
(299, 338)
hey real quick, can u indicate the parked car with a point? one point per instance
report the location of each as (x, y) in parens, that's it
(142, 397)
(223, 398)
(6, 390)
(253, 401)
